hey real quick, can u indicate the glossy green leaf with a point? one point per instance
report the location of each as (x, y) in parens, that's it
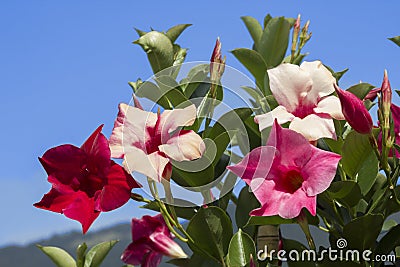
(347, 193)
(60, 257)
(359, 160)
(389, 224)
(246, 203)
(174, 32)
(267, 19)
(159, 50)
(211, 230)
(395, 40)
(361, 89)
(254, 28)
(361, 233)
(196, 76)
(170, 89)
(253, 62)
(195, 260)
(140, 32)
(97, 254)
(240, 249)
(274, 41)
(80, 254)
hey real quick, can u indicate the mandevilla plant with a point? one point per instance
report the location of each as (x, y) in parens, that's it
(307, 151)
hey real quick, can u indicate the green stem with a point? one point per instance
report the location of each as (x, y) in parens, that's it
(303, 222)
(139, 198)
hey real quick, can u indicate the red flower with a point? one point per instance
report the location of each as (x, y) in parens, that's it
(355, 112)
(84, 180)
(151, 239)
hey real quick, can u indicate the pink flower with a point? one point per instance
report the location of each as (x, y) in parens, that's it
(151, 239)
(355, 112)
(84, 180)
(148, 141)
(287, 174)
(303, 94)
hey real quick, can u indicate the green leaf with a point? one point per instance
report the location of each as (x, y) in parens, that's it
(230, 121)
(274, 41)
(183, 208)
(361, 233)
(174, 32)
(97, 254)
(211, 230)
(246, 203)
(196, 76)
(267, 19)
(140, 32)
(240, 249)
(388, 242)
(159, 50)
(169, 88)
(254, 28)
(80, 254)
(275, 220)
(195, 260)
(359, 160)
(253, 62)
(360, 90)
(395, 40)
(60, 257)
(345, 192)
(152, 92)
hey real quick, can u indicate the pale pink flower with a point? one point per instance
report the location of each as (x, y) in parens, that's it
(148, 141)
(287, 174)
(304, 97)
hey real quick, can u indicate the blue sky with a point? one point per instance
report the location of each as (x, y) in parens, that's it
(64, 67)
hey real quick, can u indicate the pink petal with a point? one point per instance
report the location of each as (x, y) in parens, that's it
(314, 127)
(82, 210)
(255, 164)
(185, 145)
(170, 120)
(166, 246)
(319, 171)
(151, 259)
(117, 190)
(131, 129)
(56, 199)
(330, 105)
(292, 148)
(146, 225)
(152, 165)
(289, 84)
(322, 78)
(266, 120)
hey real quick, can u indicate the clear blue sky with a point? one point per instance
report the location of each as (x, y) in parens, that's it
(64, 67)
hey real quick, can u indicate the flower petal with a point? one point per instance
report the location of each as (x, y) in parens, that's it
(255, 164)
(170, 120)
(98, 151)
(66, 159)
(319, 171)
(166, 246)
(322, 78)
(151, 259)
(117, 190)
(289, 84)
(82, 210)
(314, 127)
(266, 120)
(135, 253)
(131, 129)
(185, 145)
(152, 165)
(330, 105)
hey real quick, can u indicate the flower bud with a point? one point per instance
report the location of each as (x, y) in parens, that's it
(386, 97)
(217, 65)
(354, 111)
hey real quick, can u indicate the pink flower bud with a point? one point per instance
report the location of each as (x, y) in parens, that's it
(217, 65)
(354, 111)
(386, 96)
